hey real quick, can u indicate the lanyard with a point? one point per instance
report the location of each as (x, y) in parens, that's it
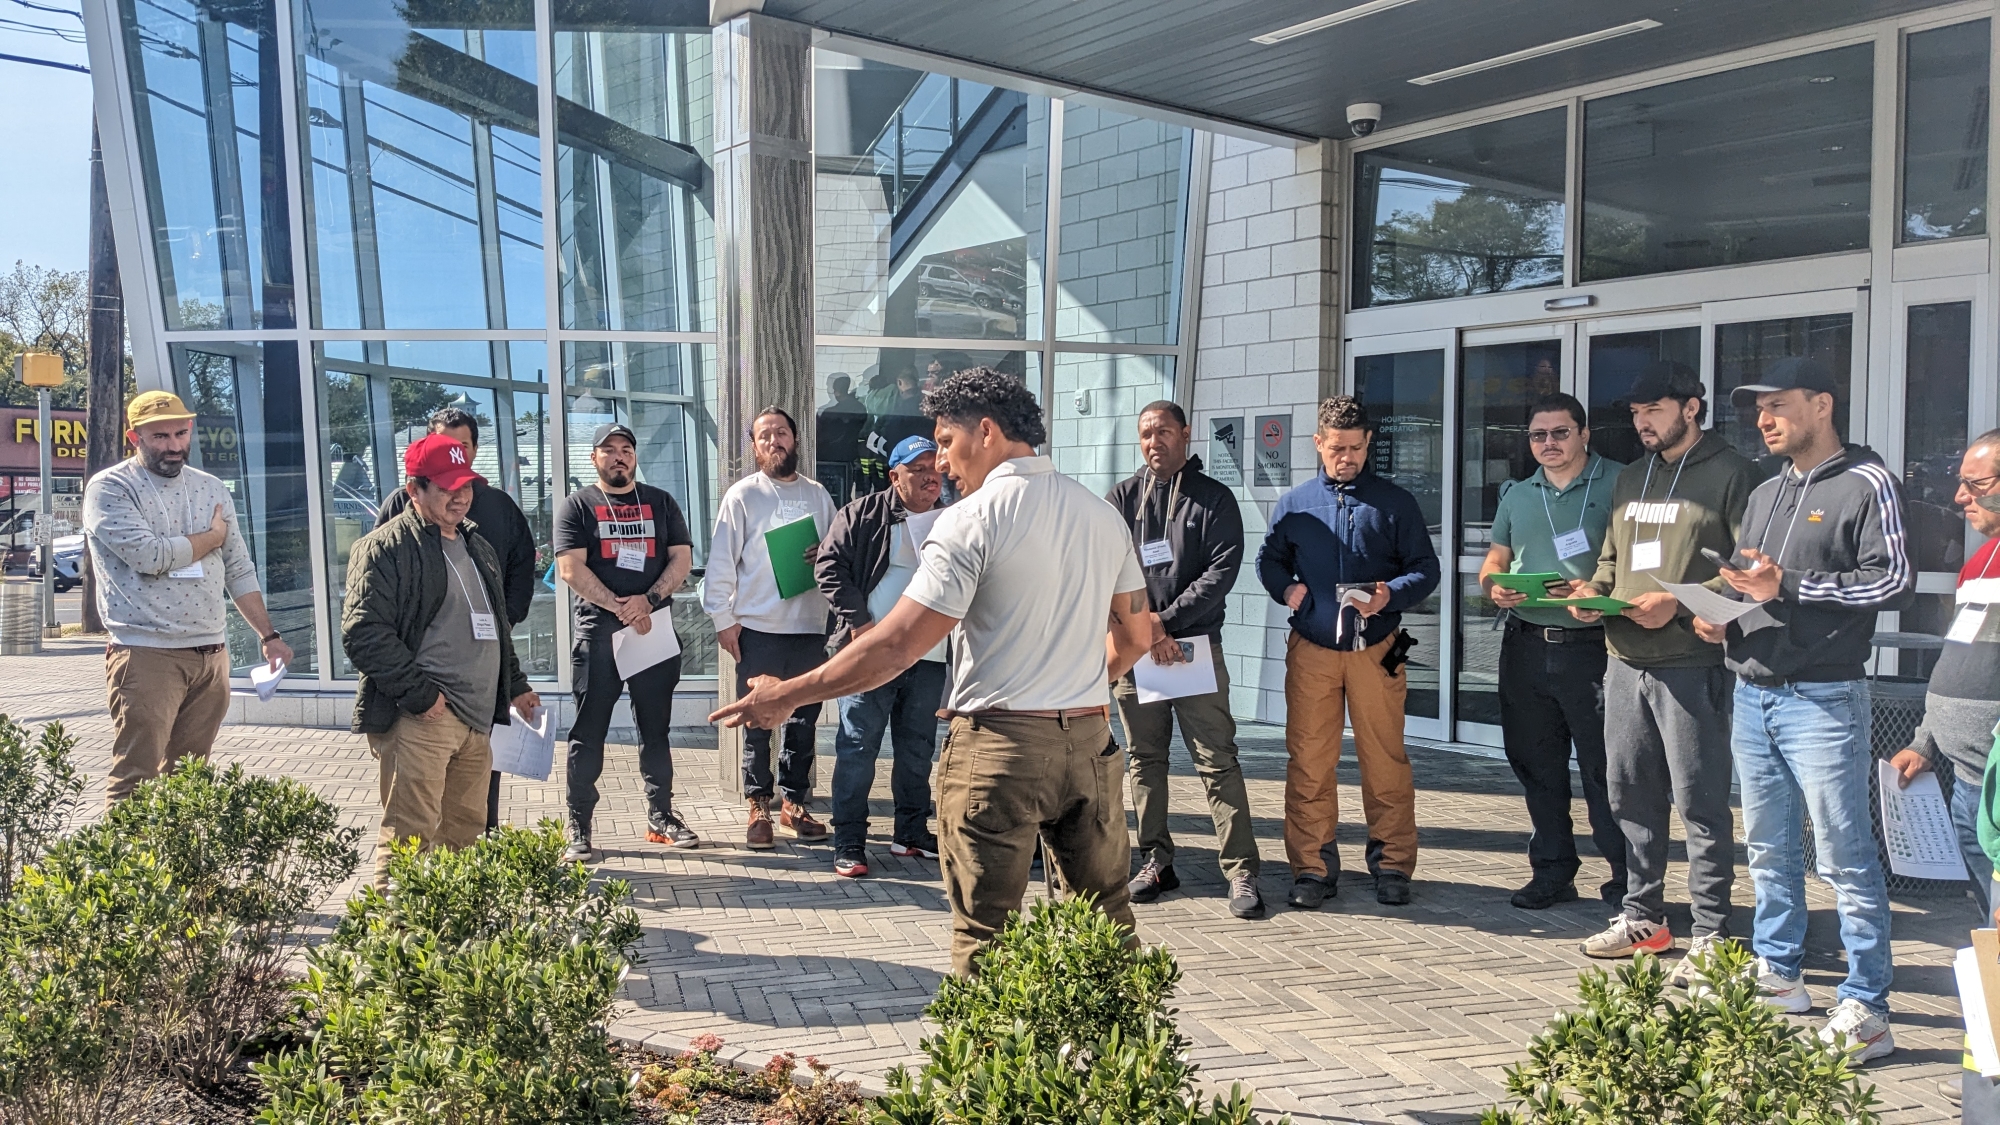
(1173, 499)
(187, 512)
(1646, 489)
(1583, 515)
(465, 590)
(1805, 490)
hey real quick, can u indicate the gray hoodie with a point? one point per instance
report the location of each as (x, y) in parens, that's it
(1838, 533)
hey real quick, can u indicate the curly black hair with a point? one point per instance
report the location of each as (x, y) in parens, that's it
(981, 392)
(1343, 412)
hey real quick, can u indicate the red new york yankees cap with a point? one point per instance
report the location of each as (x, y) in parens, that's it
(442, 460)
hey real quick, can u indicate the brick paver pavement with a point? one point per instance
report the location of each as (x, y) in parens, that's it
(1357, 1012)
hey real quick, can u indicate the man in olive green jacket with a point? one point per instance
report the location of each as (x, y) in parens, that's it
(423, 626)
(1666, 694)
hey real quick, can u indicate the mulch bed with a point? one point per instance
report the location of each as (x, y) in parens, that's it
(716, 1109)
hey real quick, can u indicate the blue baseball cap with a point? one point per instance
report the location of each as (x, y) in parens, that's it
(909, 449)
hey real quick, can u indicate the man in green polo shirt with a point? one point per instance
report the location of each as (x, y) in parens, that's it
(1551, 665)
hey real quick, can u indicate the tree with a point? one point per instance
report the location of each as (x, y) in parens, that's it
(1483, 241)
(46, 310)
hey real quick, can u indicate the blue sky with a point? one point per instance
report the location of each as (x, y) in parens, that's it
(45, 134)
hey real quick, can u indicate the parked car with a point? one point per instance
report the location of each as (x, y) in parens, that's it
(68, 557)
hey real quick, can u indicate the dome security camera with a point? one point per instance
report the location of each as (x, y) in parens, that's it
(1362, 117)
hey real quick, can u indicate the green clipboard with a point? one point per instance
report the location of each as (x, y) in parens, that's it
(788, 545)
(1535, 586)
(1600, 603)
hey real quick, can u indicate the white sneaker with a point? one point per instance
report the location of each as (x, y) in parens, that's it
(1627, 937)
(1686, 973)
(1787, 994)
(1860, 1029)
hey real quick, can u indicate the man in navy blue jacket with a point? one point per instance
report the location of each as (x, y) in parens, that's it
(1347, 553)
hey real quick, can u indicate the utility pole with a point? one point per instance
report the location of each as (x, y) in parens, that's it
(44, 372)
(104, 431)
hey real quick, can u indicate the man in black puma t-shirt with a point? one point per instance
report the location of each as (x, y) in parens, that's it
(623, 549)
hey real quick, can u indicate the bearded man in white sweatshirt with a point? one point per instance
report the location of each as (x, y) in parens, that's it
(767, 633)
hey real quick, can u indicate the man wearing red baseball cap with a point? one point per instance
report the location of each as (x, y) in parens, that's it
(422, 626)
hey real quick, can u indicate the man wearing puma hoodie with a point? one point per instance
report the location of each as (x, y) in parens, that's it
(1824, 552)
(1666, 694)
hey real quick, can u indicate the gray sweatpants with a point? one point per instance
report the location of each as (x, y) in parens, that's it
(1666, 746)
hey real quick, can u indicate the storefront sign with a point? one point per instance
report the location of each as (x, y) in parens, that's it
(221, 447)
(1274, 450)
(1225, 450)
(20, 447)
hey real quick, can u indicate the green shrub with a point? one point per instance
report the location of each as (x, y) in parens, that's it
(39, 787)
(1063, 1024)
(1063, 972)
(476, 991)
(248, 856)
(1723, 1057)
(83, 947)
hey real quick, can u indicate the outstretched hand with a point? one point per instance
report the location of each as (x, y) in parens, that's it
(756, 708)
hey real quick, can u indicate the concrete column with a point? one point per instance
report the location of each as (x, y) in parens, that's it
(763, 243)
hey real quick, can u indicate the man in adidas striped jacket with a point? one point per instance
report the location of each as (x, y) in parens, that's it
(1823, 543)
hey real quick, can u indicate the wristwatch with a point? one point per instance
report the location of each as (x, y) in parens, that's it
(274, 636)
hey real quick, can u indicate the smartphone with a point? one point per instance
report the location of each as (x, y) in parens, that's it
(1726, 562)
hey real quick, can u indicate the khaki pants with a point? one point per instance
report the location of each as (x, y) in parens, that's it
(434, 776)
(1210, 733)
(1322, 687)
(166, 704)
(1003, 781)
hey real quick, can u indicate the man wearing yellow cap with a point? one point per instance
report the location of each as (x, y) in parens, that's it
(167, 555)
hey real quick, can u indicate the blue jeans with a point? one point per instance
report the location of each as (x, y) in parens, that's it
(907, 708)
(1965, 818)
(1803, 748)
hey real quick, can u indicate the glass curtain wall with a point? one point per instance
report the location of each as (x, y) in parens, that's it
(934, 197)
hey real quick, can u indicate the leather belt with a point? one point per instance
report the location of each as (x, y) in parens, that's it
(1556, 634)
(1060, 716)
(200, 650)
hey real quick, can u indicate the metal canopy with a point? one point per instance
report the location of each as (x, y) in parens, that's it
(1197, 55)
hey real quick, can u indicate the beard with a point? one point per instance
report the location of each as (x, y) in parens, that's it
(782, 465)
(1667, 438)
(162, 464)
(617, 479)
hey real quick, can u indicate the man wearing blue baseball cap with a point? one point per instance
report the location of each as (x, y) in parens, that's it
(867, 560)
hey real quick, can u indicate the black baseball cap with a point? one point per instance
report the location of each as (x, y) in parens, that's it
(611, 430)
(1666, 378)
(1783, 375)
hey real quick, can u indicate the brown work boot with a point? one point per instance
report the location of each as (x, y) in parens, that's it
(798, 820)
(758, 835)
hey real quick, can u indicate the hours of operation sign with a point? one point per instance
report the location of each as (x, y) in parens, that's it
(1271, 441)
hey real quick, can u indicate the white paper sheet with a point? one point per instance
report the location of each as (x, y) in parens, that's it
(1916, 827)
(266, 681)
(1972, 1002)
(1157, 683)
(526, 749)
(634, 654)
(1706, 603)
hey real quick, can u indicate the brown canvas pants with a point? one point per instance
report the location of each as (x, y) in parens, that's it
(1323, 687)
(166, 704)
(434, 777)
(1004, 781)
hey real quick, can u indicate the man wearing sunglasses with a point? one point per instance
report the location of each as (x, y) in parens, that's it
(1551, 664)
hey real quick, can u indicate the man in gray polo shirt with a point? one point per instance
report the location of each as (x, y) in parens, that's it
(1552, 665)
(1020, 574)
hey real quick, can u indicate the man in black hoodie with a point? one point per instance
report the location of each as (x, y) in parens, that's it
(1821, 552)
(1189, 534)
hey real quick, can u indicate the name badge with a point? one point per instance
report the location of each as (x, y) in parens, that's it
(631, 556)
(1646, 556)
(1980, 591)
(1965, 627)
(1570, 544)
(1155, 553)
(191, 570)
(484, 627)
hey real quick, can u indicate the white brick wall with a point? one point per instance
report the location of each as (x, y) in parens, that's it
(1267, 345)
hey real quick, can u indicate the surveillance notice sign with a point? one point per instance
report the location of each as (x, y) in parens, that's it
(1273, 449)
(1225, 450)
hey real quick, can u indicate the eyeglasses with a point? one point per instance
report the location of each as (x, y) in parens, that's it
(1544, 437)
(1978, 485)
